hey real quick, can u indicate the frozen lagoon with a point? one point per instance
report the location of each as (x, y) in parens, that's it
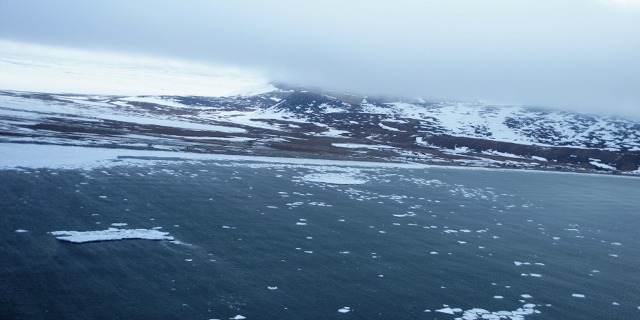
(367, 248)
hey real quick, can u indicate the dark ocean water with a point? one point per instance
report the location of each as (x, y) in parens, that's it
(402, 245)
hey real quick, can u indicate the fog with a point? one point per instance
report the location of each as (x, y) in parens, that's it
(580, 55)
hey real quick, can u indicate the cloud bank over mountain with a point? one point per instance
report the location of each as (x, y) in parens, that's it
(580, 55)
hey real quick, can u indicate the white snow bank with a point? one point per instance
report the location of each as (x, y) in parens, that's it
(597, 163)
(110, 234)
(362, 146)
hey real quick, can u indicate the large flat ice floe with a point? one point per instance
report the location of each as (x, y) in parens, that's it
(111, 234)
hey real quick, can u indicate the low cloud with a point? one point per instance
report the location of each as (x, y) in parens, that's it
(565, 53)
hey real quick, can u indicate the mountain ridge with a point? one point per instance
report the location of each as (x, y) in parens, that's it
(299, 122)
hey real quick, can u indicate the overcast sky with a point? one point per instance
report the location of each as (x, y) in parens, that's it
(575, 54)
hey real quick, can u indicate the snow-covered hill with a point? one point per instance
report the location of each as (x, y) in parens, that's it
(287, 121)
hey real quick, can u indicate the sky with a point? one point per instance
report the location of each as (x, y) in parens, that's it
(580, 55)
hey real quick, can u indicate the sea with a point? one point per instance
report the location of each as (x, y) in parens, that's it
(256, 240)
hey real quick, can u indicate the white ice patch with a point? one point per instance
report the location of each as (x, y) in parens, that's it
(448, 310)
(111, 234)
(334, 178)
(479, 313)
(577, 295)
(344, 310)
(21, 230)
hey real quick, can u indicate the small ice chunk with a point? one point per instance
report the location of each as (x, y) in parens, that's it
(119, 224)
(344, 310)
(21, 230)
(577, 295)
(446, 310)
(434, 252)
(498, 297)
(526, 296)
(272, 287)
(238, 317)
(537, 275)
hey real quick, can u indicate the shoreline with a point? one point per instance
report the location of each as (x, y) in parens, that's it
(18, 156)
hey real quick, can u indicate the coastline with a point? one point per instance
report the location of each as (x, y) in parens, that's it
(18, 156)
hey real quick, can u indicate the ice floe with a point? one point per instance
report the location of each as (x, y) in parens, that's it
(334, 178)
(479, 313)
(448, 310)
(111, 234)
(344, 310)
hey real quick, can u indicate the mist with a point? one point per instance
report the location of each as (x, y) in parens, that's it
(579, 55)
